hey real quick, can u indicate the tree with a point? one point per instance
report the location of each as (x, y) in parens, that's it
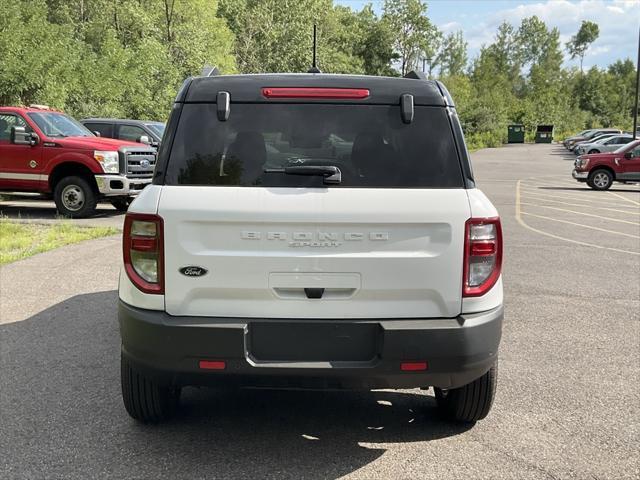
(432, 54)
(453, 58)
(411, 28)
(376, 44)
(580, 42)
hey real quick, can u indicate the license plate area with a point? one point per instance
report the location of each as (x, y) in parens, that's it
(312, 341)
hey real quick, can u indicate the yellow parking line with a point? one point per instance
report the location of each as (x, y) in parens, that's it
(624, 198)
(558, 237)
(574, 197)
(630, 212)
(582, 213)
(581, 225)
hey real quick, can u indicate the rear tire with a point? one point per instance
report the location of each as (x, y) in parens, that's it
(593, 150)
(144, 399)
(75, 197)
(471, 402)
(121, 204)
(600, 179)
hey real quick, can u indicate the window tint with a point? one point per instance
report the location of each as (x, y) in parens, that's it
(8, 120)
(370, 145)
(55, 124)
(130, 132)
(104, 129)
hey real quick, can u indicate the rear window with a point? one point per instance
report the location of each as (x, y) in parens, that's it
(370, 145)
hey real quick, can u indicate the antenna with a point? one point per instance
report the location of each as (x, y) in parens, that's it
(314, 68)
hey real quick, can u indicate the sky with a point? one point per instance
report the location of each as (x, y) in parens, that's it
(619, 22)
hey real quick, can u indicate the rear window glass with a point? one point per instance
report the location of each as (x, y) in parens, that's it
(370, 145)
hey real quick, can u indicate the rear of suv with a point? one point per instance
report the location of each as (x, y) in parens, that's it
(311, 231)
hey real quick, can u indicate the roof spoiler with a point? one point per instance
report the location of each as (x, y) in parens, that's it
(209, 71)
(415, 75)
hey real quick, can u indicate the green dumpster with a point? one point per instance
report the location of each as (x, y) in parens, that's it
(515, 133)
(544, 134)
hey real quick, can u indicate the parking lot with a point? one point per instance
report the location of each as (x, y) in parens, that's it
(569, 386)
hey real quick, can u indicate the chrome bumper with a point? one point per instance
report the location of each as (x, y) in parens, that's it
(118, 185)
(580, 175)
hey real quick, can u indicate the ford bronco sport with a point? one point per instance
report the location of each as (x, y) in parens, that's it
(311, 231)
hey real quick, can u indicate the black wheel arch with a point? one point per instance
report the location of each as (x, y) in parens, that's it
(71, 169)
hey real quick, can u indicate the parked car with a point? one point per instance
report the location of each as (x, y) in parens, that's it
(605, 143)
(600, 170)
(48, 152)
(581, 134)
(595, 138)
(589, 135)
(374, 266)
(140, 131)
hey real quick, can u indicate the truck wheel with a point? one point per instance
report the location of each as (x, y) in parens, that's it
(121, 204)
(600, 179)
(75, 197)
(144, 399)
(470, 402)
(593, 150)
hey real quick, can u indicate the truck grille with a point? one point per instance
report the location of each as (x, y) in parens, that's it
(140, 164)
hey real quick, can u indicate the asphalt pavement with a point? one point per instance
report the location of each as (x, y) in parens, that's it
(568, 402)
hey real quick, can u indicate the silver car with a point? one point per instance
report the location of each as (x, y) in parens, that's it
(602, 145)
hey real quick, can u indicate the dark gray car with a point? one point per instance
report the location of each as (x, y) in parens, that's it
(143, 131)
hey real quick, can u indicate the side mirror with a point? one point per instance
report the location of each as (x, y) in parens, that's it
(20, 137)
(628, 154)
(144, 139)
(96, 133)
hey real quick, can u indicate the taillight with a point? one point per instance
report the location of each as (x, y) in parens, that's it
(313, 92)
(482, 255)
(142, 249)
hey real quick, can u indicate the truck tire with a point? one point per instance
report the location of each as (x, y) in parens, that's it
(600, 179)
(593, 150)
(121, 204)
(144, 399)
(75, 197)
(470, 402)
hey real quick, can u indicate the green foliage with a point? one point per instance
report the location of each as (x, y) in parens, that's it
(579, 43)
(127, 58)
(412, 30)
(107, 57)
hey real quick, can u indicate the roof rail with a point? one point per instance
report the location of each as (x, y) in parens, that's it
(209, 71)
(416, 75)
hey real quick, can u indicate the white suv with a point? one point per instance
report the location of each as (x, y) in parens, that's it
(311, 230)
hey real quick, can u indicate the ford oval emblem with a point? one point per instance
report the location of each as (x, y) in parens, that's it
(145, 163)
(193, 271)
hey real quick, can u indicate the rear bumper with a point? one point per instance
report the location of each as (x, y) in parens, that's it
(169, 349)
(119, 185)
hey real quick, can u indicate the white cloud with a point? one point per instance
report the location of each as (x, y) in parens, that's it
(618, 21)
(450, 27)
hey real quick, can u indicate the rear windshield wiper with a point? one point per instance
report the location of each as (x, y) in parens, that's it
(331, 174)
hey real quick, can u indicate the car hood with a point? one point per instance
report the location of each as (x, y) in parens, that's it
(600, 156)
(95, 143)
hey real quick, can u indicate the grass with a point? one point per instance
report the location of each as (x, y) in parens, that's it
(22, 240)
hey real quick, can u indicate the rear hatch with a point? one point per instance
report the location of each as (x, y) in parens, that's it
(385, 240)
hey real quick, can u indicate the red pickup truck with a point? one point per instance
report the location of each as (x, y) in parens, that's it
(600, 170)
(48, 152)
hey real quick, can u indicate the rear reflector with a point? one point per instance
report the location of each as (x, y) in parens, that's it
(212, 365)
(413, 366)
(311, 92)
